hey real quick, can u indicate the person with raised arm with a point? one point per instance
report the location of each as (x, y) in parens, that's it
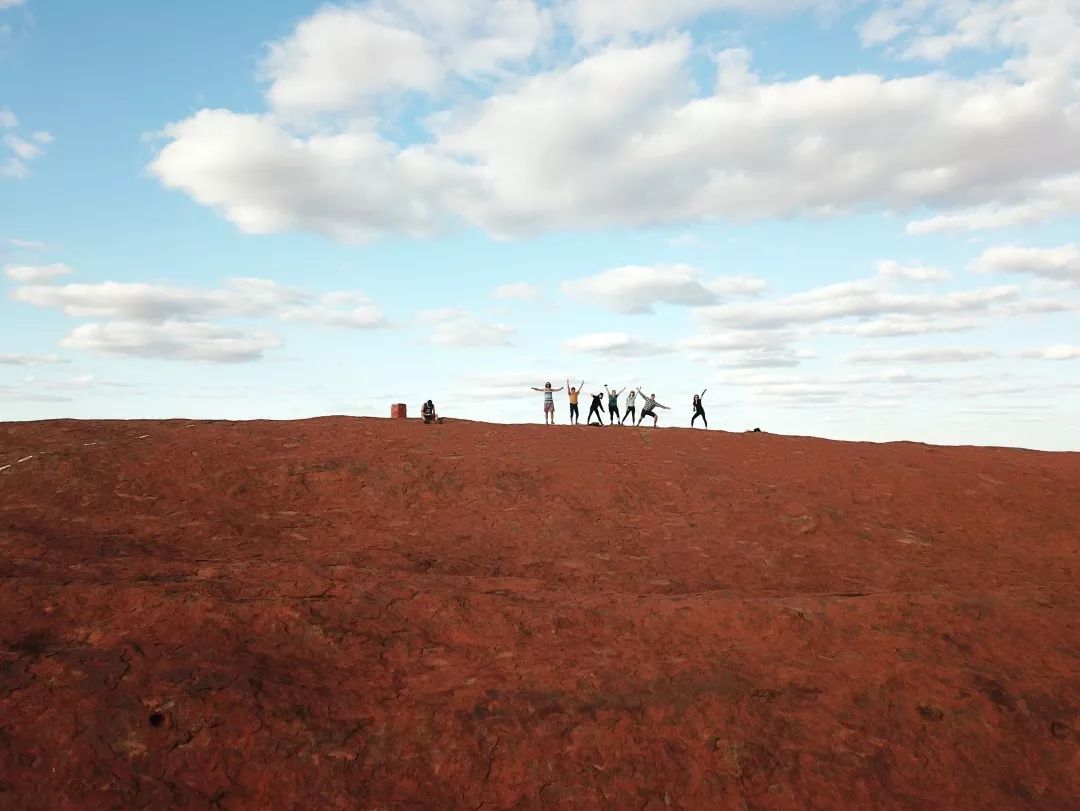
(631, 408)
(649, 409)
(699, 409)
(613, 403)
(574, 394)
(597, 409)
(549, 402)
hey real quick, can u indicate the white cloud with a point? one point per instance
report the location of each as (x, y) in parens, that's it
(341, 58)
(30, 360)
(898, 326)
(14, 168)
(352, 186)
(615, 345)
(34, 274)
(149, 320)
(924, 356)
(20, 151)
(172, 340)
(24, 150)
(859, 300)
(1044, 201)
(341, 310)
(26, 244)
(5, 4)
(346, 57)
(636, 289)
(914, 273)
(1044, 37)
(620, 138)
(1061, 264)
(761, 358)
(459, 329)
(600, 19)
(517, 291)
(1059, 352)
(499, 387)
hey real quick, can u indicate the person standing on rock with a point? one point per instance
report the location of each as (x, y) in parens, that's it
(613, 403)
(549, 402)
(631, 408)
(699, 409)
(574, 394)
(597, 408)
(649, 410)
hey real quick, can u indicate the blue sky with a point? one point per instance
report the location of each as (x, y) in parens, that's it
(859, 223)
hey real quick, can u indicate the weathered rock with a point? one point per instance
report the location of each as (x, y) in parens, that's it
(347, 613)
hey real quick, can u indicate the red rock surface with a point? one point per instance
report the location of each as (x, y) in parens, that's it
(342, 613)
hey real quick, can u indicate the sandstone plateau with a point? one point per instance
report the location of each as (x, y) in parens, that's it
(371, 614)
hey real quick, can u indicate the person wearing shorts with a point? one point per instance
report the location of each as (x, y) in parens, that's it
(631, 408)
(574, 394)
(649, 409)
(549, 402)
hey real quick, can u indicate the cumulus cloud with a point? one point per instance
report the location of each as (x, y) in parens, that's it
(344, 57)
(29, 360)
(340, 310)
(636, 289)
(620, 137)
(26, 244)
(856, 300)
(600, 19)
(1044, 201)
(20, 151)
(615, 345)
(459, 329)
(913, 273)
(1061, 264)
(762, 358)
(172, 340)
(924, 356)
(1058, 352)
(899, 326)
(351, 185)
(154, 320)
(498, 387)
(517, 291)
(34, 274)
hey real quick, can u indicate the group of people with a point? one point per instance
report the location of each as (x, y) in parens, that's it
(648, 409)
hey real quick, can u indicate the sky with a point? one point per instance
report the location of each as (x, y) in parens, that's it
(857, 220)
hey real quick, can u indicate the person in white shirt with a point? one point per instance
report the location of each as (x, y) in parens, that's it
(631, 408)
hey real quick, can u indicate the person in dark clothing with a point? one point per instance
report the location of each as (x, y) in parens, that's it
(613, 403)
(427, 413)
(699, 409)
(596, 408)
(575, 415)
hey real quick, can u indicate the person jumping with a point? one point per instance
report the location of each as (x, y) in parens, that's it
(631, 408)
(597, 408)
(613, 403)
(699, 409)
(574, 394)
(649, 409)
(549, 402)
